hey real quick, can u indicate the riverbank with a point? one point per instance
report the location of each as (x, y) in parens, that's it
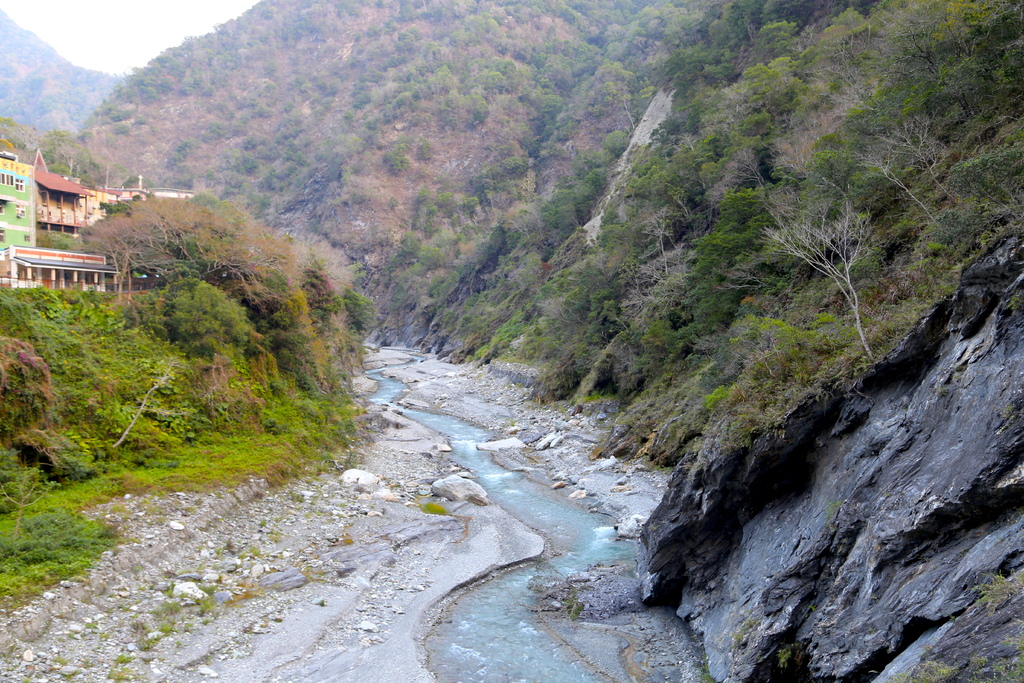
(322, 580)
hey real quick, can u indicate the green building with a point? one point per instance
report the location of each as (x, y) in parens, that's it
(17, 203)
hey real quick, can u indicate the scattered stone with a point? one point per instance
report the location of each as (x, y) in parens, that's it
(547, 442)
(211, 578)
(69, 671)
(368, 626)
(29, 656)
(188, 589)
(75, 628)
(444, 448)
(386, 495)
(580, 493)
(558, 485)
(256, 571)
(621, 488)
(601, 465)
(229, 565)
(289, 579)
(530, 436)
(207, 671)
(177, 526)
(456, 488)
(221, 597)
(190, 576)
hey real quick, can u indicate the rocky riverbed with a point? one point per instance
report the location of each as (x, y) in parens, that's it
(338, 578)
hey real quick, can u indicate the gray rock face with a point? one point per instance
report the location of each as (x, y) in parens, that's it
(457, 488)
(868, 520)
(289, 579)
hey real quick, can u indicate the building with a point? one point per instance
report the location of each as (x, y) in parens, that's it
(62, 205)
(25, 267)
(17, 195)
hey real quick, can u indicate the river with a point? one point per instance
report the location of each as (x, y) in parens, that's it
(491, 634)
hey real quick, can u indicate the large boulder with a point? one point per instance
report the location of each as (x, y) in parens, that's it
(188, 589)
(457, 488)
(362, 479)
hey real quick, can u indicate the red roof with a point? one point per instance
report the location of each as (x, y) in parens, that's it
(58, 183)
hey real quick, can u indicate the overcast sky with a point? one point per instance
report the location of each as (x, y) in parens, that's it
(116, 37)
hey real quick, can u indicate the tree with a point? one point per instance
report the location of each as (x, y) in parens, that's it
(831, 245)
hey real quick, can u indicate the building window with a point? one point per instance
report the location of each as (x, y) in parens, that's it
(19, 184)
(28, 237)
(20, 211)
(3, 208)
(3, 235)
(6, 179)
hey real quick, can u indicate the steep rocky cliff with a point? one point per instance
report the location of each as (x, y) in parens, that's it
(864, 525)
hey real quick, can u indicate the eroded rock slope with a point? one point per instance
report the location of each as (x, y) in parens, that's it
(862, 528)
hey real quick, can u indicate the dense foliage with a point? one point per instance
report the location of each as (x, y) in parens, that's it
(236, 349)
(899, 119)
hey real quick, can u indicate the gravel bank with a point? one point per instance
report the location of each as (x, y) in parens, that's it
(322, 580)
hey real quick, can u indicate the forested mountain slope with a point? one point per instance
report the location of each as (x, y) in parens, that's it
(40, 88)
(365, 121)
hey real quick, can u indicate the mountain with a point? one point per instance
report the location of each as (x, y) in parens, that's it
(733, 228)
(40, 88)
(357, 120)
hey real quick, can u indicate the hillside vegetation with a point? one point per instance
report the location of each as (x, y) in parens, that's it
(886, 140)
(363, 122)
(455, 152)
(234, 366)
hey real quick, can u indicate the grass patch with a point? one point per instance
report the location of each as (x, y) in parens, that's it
(58, 543)
(52, 546)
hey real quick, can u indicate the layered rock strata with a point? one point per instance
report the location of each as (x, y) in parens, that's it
(862, 528)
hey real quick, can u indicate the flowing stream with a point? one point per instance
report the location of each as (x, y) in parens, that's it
(492, 636)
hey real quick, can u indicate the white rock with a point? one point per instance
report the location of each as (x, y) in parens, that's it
(188, 589)
(29, 656)
(606, 464)
(256, 571)
(455, 487)
(581, 493)
(177, 526)
(368, 626)
(75, 628)
(360, 478)
(546, 442)
(631, 526)
(207, 671)
(492, 446)
(211, 578)
(444, 448)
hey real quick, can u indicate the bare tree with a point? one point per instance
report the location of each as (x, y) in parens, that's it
(830, 245)
(908, 145)
(169, 368)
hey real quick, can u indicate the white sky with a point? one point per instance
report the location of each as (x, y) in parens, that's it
(118, 36)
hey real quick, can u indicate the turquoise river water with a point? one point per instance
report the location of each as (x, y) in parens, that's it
(492, 636)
